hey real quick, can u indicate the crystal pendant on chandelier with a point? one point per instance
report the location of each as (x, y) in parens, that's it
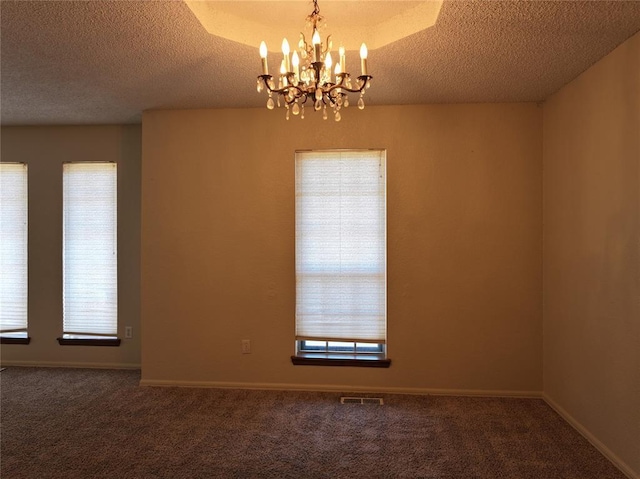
(307, 74)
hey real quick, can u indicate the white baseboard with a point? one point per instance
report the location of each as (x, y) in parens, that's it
(619, 463)
(340, 388)
(54, 364)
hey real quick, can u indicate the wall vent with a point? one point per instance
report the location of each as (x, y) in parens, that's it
(358, 400)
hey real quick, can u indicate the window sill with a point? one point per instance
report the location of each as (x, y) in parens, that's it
(338, 359)
(10, 340)
(89, 341)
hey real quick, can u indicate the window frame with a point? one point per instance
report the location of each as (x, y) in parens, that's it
(337, 352)
(21, 335)
(85, 338)
(339, 347)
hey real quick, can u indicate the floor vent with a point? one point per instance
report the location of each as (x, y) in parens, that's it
(356, 400)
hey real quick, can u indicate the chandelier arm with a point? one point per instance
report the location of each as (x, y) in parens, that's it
(365, 80)
(328, 44)
(307, 48)
(333, 100)
(297, 96)
(303, 98)
(284, 90)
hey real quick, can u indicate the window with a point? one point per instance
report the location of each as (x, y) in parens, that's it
(89, 254)
(341, 257)
(13, 253)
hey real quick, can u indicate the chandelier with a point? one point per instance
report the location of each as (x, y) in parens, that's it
(309, 76)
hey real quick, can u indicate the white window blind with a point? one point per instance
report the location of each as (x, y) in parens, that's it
(341, 245)
(90, 279)
(13, 247)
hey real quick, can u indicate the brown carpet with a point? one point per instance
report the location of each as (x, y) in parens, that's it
(74, 423)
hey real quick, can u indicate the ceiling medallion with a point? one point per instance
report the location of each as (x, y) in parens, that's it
(308, 75)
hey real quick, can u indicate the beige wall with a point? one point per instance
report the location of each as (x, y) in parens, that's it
(591, 252)
(45, 149)
(464, 246)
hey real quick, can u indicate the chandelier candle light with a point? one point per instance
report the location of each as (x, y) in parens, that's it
(311, 76)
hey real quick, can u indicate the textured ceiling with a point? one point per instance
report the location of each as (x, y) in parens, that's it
(94, 62)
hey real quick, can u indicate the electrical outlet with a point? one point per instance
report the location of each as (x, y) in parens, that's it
(128, 332)
(246, 346)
